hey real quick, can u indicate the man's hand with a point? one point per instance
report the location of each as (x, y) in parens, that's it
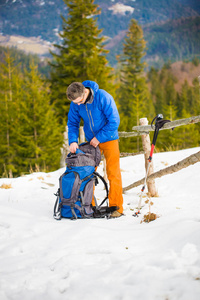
(94, 142)
(73, 147)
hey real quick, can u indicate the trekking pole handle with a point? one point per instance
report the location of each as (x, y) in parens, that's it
(156, 119)
(159, 117)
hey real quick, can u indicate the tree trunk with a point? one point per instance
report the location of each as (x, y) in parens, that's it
(191, 160)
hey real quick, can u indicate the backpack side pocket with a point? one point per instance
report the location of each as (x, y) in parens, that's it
(86, 198)
(69, 192)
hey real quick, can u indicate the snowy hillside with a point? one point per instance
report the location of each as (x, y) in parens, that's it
(41, 258)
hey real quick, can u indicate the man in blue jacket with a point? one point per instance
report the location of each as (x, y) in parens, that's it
(101, 119)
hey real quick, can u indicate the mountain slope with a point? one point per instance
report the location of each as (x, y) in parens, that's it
(41, 18)
(171, 40)
(194, 4)
(175, 40)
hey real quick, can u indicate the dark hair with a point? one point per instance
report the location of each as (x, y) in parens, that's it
(75, 90)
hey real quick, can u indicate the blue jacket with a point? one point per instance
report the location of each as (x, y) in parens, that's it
(100, 116)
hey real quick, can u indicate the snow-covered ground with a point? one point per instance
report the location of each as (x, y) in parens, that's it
(45, 259)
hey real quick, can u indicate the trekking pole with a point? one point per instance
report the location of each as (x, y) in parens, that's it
(159, 122)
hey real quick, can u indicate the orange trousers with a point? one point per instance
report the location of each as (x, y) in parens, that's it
(112, 156)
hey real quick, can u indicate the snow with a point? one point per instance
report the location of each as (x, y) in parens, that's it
(13, 1)
(120, 8)
(41, 258)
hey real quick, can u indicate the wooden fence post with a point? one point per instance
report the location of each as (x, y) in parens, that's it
(147, 148)
(65, 148)
(81, 135)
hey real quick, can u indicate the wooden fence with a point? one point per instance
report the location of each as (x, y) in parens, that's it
(143, 130)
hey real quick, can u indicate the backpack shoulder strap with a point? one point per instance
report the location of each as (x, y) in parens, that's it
(105, 185)
(57, 207)
(103, 211)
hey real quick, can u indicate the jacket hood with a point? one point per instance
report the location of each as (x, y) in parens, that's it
(92, 85)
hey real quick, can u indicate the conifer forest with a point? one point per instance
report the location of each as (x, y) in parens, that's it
(34, 106)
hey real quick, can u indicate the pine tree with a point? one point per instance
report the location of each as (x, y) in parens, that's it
(165, 102)
(39, 134)
(195, 104)
(9, 76)
(189, 135)
(155, 89)
(81, 55)
(134, 99)
(29, 131)
(195, 98)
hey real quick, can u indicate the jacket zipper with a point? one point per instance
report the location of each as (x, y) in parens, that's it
(89, 119)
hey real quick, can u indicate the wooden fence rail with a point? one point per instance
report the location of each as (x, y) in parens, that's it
(144, 132)
(190, 160)
(140, 130)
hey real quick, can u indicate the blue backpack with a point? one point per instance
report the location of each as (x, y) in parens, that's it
(76, 186)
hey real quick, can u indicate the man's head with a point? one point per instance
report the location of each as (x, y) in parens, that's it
(76, 92)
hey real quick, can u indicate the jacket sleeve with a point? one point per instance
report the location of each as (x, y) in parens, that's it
(109, 108)
(73, 123)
